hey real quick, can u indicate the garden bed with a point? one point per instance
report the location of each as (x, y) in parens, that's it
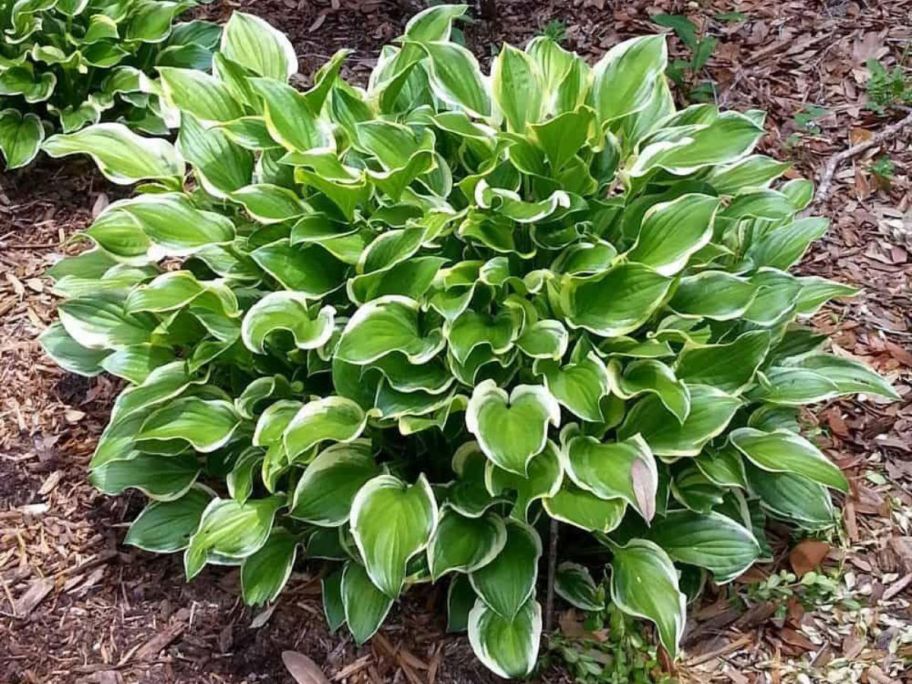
(78, 606)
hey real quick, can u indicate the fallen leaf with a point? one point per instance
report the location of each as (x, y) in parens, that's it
(302, 669)
(797, 639)
(807, 555)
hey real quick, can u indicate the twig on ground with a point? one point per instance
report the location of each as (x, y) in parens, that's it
(552, 571)
(829, 170)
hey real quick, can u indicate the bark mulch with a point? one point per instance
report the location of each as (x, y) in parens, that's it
(77, 606)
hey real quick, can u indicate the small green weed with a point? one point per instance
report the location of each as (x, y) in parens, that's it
(812, 590)
(627, 656)
(888, 87)
(556, 30)
(684, 72)
(884, 171)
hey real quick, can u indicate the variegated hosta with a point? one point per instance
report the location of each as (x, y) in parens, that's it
(402, 328)
(65, 64)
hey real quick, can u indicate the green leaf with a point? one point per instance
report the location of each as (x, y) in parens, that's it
(816, 291)
(689, 148)
(134, 364)
(616, 302)
(624, 78)
(507, 582)
(711, 410)
(723, 467)
(511, 429)
(330, 418)
(69, 354)
(254, 44)
(543, 478)
(20, 137)
(434, 23)
(324, 494)
(712, 541)
(461, 599)
(163, 478)
(268, 203)
(122, 156)
(103, 324)
(579, 387)
(464, 544)
(289, 118)
(456, 78)
(516, 87)
(289, 311)
(793, 387)
(366, 607)
(547, 339)
(756, 171)
(308, 270)
(644, 583)
(220, 165)
(166, 526)
(507, 647)
(206, 425)
(151, 21)
(230, 531)
(265, 572)
(727, 366)
(562, 137)
(392, 522)
(625, 470)
(672, 231)
(849, 376)
(385, 325)
(584, 509)
(333, 607)
(793, 498)
(574, 584)
(173, 224)
(783, 451)
(784, 246)
(717, 295)
(202, 95)
(653, 376)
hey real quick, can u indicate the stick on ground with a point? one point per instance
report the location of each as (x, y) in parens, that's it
(829, 170)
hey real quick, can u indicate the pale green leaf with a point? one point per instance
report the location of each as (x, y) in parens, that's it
(507, 582)
(509, 648)
(122, 156)
(644, 583)
(511, 429)
(391, 522)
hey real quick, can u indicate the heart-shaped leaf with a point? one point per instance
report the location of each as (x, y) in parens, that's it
(392, 522)
(511, 429)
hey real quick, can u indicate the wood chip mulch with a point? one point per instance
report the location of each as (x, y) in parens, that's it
(77, 606)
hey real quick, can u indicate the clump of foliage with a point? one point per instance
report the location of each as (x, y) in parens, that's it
(887, 88)
(404, 328)
(65, 64)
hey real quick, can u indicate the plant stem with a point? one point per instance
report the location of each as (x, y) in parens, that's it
(552, 571)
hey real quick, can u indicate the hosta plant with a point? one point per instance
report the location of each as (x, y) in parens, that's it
(408, 328)
(65, 64)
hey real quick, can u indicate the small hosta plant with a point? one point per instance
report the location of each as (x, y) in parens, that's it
(404, 328)
(65, 64)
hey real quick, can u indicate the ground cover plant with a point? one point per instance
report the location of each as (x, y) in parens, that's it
(65, 64)
(412, 329)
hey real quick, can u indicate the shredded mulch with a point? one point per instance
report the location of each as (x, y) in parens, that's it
(77, 606)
